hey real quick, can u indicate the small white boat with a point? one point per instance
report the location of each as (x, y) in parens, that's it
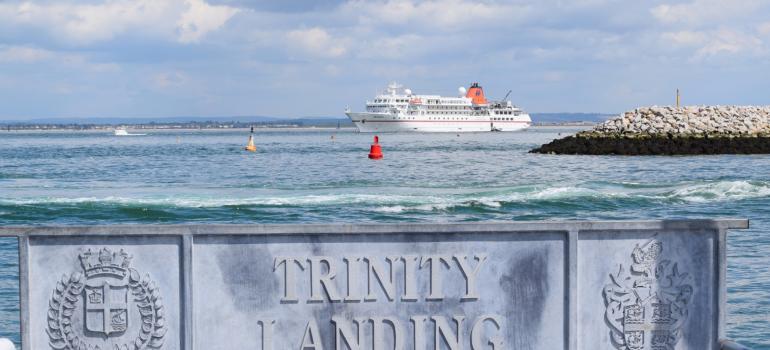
(123, 132)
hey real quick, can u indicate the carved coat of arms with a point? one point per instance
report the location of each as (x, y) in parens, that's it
(647, 304)
(107, 306)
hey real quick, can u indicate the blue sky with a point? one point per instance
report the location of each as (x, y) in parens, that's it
(155, 58)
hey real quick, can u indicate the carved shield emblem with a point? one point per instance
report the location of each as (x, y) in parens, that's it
(647, 305)
(106, 306)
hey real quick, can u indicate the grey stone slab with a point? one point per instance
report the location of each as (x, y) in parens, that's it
(104, 291)
(541, 285)
(651, 289)
(521, 284)
(520, 226)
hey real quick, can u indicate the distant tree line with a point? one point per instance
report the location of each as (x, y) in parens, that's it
(162, 125)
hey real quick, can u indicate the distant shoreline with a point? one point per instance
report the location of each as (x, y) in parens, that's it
(322, 129)
(227, 123)
(162, 127)
(156, 130)
(246, 129)
(216, 126)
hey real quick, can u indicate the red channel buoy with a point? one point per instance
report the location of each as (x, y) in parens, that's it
(376, 151)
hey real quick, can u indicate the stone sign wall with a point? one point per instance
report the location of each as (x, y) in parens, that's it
(580, 285)
(383, 292)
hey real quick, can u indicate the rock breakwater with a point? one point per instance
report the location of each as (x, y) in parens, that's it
(673, 130)
(691, 120)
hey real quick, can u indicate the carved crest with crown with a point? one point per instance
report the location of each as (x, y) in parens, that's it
(646, 305)
(92, 309)
(105, 262)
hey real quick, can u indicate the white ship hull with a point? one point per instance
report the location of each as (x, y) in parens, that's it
(399, 110)
(385, 122)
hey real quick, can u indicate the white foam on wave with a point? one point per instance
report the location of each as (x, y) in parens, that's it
(721, 191)
(422, 207)
(182, 201)
(431, 200)
(392, 209)
(565, 192)
(492, 199)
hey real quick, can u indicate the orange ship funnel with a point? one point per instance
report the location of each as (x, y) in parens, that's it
(476, 94)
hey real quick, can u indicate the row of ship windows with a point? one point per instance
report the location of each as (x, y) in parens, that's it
(443, 113)
(398, 100)
(455, 118)
(503, 112)
(404, 100)
(449, 107)
(452, 118)
(451, 102)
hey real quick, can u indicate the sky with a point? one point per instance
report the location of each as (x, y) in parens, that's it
(161, 58)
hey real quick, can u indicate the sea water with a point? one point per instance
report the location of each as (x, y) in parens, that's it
(324, 176)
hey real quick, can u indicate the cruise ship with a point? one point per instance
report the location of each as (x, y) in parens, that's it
(397, 109)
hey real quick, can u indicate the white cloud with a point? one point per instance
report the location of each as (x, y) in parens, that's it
(445, 15)
(764, 28)
(553, 76)
(317, 42)
(83, 24)
(712, 28)
(23, 54)
(685, 38)
(332, 70)
(35, 55)
(88, 23)
(728, 41)
(705, 12)
(394, 47)
(170, 79)
(202, 18)
(540, 45)
(710, 43)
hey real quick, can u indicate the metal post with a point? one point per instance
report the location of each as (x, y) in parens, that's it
(572, 283)
(187, 287)
(677, 98)
(24, 291)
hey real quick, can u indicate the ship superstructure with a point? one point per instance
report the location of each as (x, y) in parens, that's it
(398, 109)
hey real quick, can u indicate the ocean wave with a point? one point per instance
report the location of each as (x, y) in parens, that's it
(721, 191)
(431, 199)
(202, 202)
(718, 191)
